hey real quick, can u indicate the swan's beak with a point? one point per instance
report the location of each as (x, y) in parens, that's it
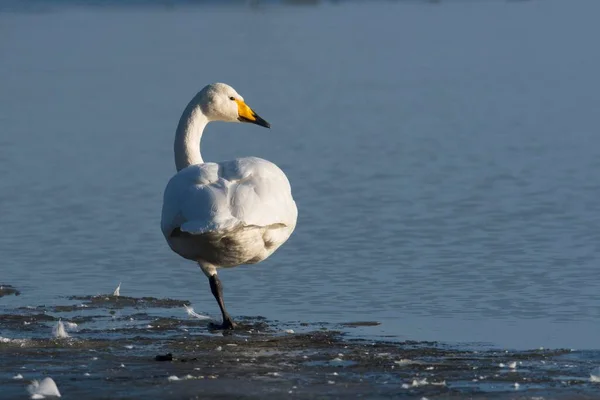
(245, 114)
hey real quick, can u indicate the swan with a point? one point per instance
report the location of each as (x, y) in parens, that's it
(224, 214)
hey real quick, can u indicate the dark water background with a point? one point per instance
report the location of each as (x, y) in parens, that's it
(444, 156)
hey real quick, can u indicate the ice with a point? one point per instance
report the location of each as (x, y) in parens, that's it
(59, 331)
(405, 361)
(415, 383)
(183, 378)
(39, 390)
(9, 340)
(421, 382)
(70, 325)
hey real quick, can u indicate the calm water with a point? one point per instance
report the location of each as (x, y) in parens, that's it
(444, 157)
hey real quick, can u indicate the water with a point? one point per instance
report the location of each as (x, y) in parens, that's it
(444, 158)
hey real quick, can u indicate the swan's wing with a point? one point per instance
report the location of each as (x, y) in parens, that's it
(259, 192)
(220, 197)
(195, 194)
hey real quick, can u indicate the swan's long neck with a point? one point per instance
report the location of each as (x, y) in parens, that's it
(189, 132)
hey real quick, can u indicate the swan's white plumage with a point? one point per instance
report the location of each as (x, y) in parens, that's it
(217, 197)
(228, 213)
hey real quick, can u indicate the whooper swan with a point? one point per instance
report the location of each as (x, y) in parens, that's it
(229, 213)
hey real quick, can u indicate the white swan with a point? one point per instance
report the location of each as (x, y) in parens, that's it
(229, 213)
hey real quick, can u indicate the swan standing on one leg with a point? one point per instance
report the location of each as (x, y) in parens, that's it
(229, 213)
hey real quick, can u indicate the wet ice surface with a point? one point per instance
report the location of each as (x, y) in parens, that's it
(6, 290)
(123, 347)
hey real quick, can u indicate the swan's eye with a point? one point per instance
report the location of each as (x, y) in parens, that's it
(232, 98)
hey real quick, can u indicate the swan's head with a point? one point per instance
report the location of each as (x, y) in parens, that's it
(220, 102)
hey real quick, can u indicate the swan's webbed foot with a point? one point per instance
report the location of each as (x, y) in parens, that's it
(227, 325)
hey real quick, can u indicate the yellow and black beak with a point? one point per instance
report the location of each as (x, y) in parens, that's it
(245, 114)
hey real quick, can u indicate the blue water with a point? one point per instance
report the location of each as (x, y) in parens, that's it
(444, 157)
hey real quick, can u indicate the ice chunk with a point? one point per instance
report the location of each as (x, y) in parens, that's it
(421, 382)
(183, 378)
(404, 361)
(39, 390)
(70, 325)
(59, 331)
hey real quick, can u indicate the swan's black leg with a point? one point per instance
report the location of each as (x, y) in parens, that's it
(217, 291)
